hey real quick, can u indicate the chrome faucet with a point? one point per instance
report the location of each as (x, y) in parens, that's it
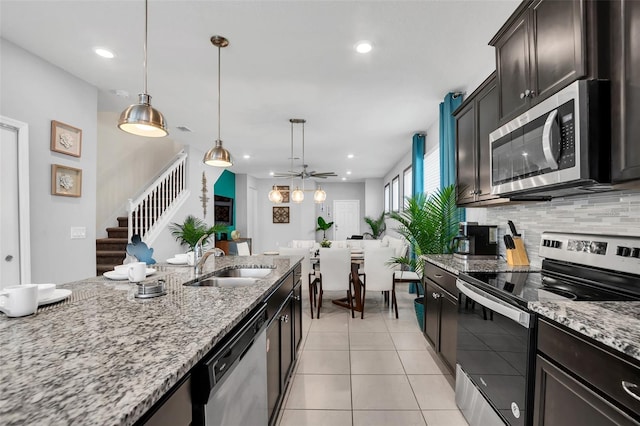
(199, 258)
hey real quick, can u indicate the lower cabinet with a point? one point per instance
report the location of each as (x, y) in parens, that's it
(577, 380)
(284, 335)
(441, 313)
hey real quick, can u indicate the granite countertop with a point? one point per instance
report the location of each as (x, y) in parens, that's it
(104, 357)
(455, 265)
(615, 324)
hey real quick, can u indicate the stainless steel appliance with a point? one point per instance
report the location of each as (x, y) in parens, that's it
(229, 387)
(496, 335)
(476, 241)
(561, 146)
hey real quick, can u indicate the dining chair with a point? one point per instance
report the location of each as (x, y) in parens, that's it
(335, 274)
(243, 249)
(308, 277)
(378, 275)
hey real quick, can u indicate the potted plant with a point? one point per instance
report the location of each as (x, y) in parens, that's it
(429, 224)
(192, 229)
(378, 226)
(323, 226)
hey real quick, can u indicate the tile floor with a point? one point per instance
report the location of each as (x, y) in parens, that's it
(377, 371)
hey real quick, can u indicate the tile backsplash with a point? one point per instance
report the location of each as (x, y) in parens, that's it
(616, 212)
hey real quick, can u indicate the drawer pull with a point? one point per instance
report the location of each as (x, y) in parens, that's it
(627, 386)
(436, 295)
(437, 276)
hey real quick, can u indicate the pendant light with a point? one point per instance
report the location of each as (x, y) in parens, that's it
(319, 196)
(218, 156)
(142, 119)
(297, 196)
(275, 196)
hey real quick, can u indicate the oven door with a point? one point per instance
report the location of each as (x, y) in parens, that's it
(495, 352)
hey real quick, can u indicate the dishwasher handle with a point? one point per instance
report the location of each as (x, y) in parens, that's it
(487, 300)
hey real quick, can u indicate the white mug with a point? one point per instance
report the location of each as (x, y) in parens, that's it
(19, 300)
(137, 271)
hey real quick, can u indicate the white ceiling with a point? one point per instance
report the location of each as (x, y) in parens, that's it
(286, 59)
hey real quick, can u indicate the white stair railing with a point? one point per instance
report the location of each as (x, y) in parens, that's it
(150, 211)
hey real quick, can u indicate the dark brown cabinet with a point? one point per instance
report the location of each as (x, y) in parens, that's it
(625, 87)
(578, 380)
(476, 118)
(540, 50)
(441, 313)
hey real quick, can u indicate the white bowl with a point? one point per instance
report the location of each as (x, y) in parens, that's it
(45, 291)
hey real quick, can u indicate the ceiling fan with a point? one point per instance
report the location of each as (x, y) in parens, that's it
(304, 173)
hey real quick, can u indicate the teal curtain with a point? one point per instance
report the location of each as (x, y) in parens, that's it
(448, 142)
(417, 164)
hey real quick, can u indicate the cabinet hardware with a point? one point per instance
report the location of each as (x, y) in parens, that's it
(522, 95)
(472, 192)
(437, 276)
(436, 295)
(627, 386)
(297, 298)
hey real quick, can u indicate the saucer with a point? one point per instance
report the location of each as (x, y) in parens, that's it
(176, 261)
(58, 295)
(113, 275)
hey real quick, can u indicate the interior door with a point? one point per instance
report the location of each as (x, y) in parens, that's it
(14, 198)
(346, 218)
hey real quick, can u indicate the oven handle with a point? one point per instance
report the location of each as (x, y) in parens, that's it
(521, 317)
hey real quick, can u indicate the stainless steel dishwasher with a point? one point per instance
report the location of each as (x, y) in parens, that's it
(229, 386)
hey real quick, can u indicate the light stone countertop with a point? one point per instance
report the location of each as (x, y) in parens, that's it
(455, 265)
(104, 357)
(615, 324)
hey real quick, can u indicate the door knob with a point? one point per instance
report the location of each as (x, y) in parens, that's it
(8, 258)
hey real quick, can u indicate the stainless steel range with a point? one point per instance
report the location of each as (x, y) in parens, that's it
(496, 330)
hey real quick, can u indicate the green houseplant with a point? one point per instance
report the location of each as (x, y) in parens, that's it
(323, 226)
(429, 224)
(378, 226)
(192, 229)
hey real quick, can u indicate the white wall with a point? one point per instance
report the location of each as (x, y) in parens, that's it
(340, 191)
(373, 197)
(126, 165)
(36, 92)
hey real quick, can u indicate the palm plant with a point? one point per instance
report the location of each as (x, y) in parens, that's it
(429, 224)
(378, 226)
(192, 229)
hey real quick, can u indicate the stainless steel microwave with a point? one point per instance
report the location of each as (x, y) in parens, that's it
(559, 147)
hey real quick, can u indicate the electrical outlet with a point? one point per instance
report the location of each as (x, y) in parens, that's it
(78, 232)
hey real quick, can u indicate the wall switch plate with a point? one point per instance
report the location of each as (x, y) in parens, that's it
(78, 232)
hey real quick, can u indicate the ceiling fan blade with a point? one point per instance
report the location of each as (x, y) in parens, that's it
(325, 174)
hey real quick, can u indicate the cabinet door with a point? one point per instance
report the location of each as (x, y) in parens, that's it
(557, 30)
(512, 56)
(558, 397)
(625, 90)
(273, 367)
(465, 154)
(487, 106)
(286, 342)
(449, 330)
(432, 313)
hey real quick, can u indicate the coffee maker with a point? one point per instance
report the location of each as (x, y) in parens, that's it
(476, 241)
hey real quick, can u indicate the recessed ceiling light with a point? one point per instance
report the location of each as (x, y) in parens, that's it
(271, 173)
(246, 156)
(350, 156)
(344, 178)
(363, 46)
(104, 53)
(348, 172)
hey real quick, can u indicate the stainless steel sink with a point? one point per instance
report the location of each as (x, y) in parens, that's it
(233, 277)
(244, 272)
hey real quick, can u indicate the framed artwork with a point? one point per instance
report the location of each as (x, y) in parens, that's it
(66, 181)
(66, 139)
(280, 214)
(284, 190)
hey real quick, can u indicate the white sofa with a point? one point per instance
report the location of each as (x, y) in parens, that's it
(400, 245)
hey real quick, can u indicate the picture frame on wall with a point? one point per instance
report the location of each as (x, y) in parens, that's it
(280, 214)
(66, 181)
(284, 190)
(66, 139)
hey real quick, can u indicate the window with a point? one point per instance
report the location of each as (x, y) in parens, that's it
(395, 193)
(407, 185)
(432, 171)
(387, 199)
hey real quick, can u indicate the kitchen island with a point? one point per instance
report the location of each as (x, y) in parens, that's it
(105, 357)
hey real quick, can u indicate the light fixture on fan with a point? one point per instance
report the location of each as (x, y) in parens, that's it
(218, 156)
(142, 119)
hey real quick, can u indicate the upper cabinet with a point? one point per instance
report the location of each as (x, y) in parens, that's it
(476, 118)
(541, 49)
(625, 90)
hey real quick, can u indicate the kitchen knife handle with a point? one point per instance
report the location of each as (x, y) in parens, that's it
(513, 229)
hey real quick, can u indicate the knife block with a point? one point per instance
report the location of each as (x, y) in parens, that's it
(517, 256)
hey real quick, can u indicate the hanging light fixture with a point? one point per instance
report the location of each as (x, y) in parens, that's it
(297, 196)
(319, 196)
(142, 119)
(218, 156)
(275, 196)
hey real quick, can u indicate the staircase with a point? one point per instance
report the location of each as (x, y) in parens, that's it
(148, 215)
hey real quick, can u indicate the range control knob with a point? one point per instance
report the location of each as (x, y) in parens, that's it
(619, 250)
(556, 244)
(624, 251)
(635, 252)
(546, 243)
